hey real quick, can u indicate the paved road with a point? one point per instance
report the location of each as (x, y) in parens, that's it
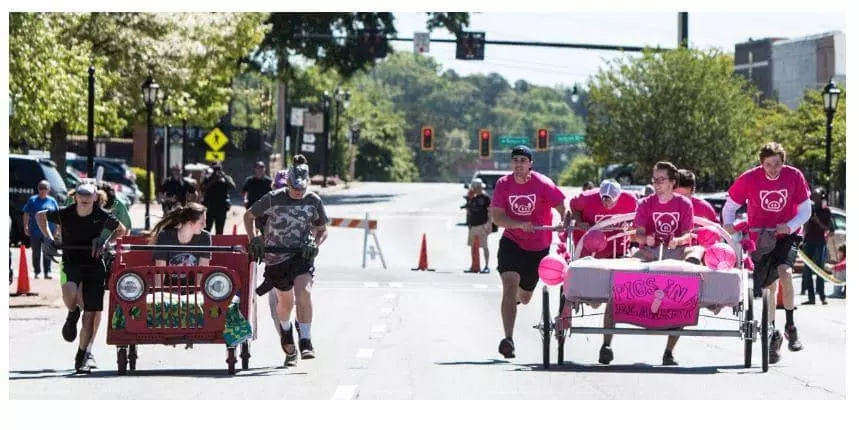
(400, 334)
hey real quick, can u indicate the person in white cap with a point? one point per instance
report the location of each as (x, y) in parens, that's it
(80, 225)
(591, 207)
(477, 218)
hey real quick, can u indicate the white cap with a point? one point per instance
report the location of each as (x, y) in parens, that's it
(610, 188)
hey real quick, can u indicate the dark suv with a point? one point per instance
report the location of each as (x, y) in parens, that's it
(25, 172)
(115, 170)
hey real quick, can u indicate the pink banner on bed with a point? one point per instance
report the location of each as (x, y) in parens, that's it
(652, 300)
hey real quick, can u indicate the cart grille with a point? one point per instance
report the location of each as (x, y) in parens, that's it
(175, 298)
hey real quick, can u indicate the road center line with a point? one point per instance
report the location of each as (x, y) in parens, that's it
(345, 392)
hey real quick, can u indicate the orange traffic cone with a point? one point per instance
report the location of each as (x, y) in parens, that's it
(422, 260)
(475, 255)
(23, 276)
(779, 296)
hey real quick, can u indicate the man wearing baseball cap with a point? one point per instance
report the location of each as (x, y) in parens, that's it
(256, 186)
(591, 207)
(297, 220)
(216, 198)
(81, 224)
(522, 200)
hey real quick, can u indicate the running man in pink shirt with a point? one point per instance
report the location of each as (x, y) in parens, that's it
(591, 207)
(522, 200)
(776, 197)
(663, 228)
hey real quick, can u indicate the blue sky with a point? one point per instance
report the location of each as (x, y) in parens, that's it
(555, 66)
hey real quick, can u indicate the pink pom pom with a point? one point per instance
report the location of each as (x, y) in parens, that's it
(595, 241)
(748, 245)
(741, 226)
(707, 236)
(748, 264)
(720, 256)
(552, 269)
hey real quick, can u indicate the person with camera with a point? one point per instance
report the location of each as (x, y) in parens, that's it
(216, 197)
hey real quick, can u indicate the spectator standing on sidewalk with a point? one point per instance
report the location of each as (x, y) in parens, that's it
(477, 218)
(817, 230)
(175, 190)
(216, 197)
(256, 186)
(40, 202)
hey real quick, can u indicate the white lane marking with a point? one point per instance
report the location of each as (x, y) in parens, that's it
(387, 311)
(480, 286)
(395, 284)
(345, 392)
(371, 284)
(365, 354)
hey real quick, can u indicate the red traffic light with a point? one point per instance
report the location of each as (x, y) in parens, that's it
(542, 132)
(427, 132)
(484, 135)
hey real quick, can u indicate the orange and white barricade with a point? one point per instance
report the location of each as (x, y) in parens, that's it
(369, 226)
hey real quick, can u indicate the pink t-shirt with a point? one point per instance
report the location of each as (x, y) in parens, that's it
(664, 220)
(770, 202)
(703, 209)
(532, 201)
(589, 204)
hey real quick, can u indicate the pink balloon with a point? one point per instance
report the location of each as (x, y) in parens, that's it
(720, 256)
(707, 236)
(552, 269)
(595, 241)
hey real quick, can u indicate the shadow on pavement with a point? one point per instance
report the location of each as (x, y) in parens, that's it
(635, 368)
(356, 199)
(472, 363)
(111, 373)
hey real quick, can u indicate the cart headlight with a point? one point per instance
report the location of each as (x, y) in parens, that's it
(129, 287)
(218, 286)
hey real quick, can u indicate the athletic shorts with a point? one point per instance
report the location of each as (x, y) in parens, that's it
(512, 258)
(282, 275)
(480, 233)
(91, 280)
(766, 268)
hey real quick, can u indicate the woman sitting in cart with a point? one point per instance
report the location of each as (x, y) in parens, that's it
(182, 226)
(663, 228)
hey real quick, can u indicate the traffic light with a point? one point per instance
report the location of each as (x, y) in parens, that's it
(542, 139)
(426, 139)
(371, 44)
(469, 45)
(485, 144)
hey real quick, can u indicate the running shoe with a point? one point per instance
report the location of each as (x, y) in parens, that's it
(306, 348)
(668, 359)
(793, 342)
(606, 355)
(70, 328)
(90, 361)
(775, 345)
(506, 348)
(288, 345)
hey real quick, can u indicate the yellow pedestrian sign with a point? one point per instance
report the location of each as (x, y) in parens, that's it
(216, 139)
(215, 155)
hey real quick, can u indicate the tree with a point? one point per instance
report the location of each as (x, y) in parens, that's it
(685, 106)
(580, 170)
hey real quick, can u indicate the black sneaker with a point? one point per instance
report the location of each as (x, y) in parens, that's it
(288, 345)
(90, 361)
(668, 359)
(306, 348)
(80, 363)
(775, 346)
(70, 328)
(606, 355)
(506, 348)
(793, 342)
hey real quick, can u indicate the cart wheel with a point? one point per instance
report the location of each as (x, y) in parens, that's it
(765, 331)
(132, 357)
(231, 360)
(547, 328)
(749, 328)
(559, 334)
(246, 354)
(121, 360)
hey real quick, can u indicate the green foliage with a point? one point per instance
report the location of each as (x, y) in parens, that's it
(141, 181)
(582, 169)
(685, 106)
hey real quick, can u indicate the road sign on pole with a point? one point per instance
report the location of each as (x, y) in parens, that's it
(215, 155)
(570, 138)
(296, 117)
(313, 123)
(308, 147)
(216, 139)
(511, 141)
(309, 138)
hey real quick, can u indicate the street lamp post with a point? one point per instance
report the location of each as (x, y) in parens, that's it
(341, 99)
(150, 97)
(326, 105)
(168, 112)
(830, 105)
(90, 120)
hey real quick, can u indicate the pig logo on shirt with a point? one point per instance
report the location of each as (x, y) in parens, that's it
(523, 205)
(774, 201)
(666, 222)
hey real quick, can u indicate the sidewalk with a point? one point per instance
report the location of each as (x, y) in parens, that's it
(48, 290)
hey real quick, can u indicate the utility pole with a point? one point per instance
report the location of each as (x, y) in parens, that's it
(683, 29)
(90, 117)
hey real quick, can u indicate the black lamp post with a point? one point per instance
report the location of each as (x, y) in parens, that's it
(341, 99)
(90, 120)
(150, 97)
(830, 105)
(326, 105)
(168, 112)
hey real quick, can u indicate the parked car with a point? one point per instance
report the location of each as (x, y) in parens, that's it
(717, 200)
(839, 236)
(25, 172)
(75, 177)
(489, 177)
(115, 170)
(622, 173)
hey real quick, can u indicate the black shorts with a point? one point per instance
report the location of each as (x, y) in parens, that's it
(512, 258)
(282, 275)
(766, 269)
(91, 279)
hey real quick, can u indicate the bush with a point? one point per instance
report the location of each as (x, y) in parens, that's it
(579, 171)
(141, 182)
